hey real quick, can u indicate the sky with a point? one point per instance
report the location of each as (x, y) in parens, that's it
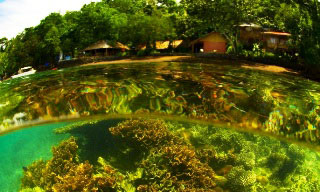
(16, 15)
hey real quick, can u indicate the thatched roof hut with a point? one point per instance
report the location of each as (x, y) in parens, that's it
(105, 44)
(105, 48)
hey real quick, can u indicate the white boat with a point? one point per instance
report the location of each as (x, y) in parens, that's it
(24, 71)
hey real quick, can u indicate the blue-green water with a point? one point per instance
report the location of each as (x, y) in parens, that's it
(21, 148)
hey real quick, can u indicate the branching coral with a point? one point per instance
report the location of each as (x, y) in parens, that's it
(216, 160)
(247, 160)
(82, 178)
(240, 180)
(172, 164)
(77, 178)
(144, 133)
(274, 163)
(44, 174)
(177, 166)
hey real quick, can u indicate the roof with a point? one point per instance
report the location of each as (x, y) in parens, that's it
(28, 67)
(276, 33)
(206, 36)
(165, 44)
(104, 44)
(250, 25)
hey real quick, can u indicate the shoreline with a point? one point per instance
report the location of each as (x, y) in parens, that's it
(157, 59)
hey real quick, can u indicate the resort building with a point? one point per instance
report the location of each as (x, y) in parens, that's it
(213, 42)
(249, 34)
(105, 48)
(164, 46)
(271, 40)
(276, 40)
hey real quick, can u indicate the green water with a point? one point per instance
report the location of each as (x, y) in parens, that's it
(158, 155)
(204, 107)
(21, 148)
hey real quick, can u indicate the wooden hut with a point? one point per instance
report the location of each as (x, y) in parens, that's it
(250, 33)
(212, 42)
(276, 40)
(105, 48)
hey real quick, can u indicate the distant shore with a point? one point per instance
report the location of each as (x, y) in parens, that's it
(156, 59)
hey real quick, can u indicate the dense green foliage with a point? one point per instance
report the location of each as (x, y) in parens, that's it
(142, 22)
(69, 33)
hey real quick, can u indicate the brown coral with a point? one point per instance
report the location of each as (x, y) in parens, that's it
(77, 178)
(44, 174)
(145, 133)
(64, 172)
(172, 164)
(177, 166)
(33, 175)
(81, 178)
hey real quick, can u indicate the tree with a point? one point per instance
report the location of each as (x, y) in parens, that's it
(70, 36)
(49, 32)
(4, 62)
(127, 6)
(219, 15)
(310, 36)
(97, 21)
(151, 29)
(3, 44)
(14, 54)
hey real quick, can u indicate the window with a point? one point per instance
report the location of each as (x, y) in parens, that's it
(272, 40)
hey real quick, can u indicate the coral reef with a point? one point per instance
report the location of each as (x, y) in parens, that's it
(177, 167)
(154, 155)
(247, 160)
(240, 179)
(281, 165)
(171, 163)
(275, 164)
(147, 134)
(36, 189)
(64, 172)
(44, 174)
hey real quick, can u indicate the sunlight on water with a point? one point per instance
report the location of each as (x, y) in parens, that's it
(194, 144)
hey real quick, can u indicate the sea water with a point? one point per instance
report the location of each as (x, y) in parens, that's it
(21, 148)
(159, 127)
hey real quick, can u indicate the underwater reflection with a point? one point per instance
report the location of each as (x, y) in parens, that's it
(275, 104)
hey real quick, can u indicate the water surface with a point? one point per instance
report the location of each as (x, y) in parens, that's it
(204, 105)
